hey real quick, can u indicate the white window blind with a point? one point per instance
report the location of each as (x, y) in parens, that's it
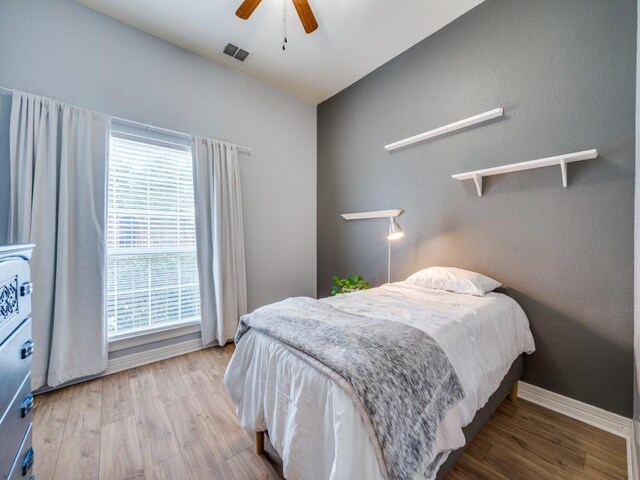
(151, 247)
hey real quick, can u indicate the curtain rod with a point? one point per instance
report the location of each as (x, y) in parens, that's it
(8, 91)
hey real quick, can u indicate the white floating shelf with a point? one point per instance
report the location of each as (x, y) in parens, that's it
(467, 122)
(561, 160)
(376, 214)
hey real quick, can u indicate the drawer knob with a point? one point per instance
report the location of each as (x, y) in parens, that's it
(27, 461)
(26, 406)
(26, 289)
(27, 349)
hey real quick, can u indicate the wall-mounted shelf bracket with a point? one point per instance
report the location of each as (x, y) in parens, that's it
(478, 181)
(563, 170)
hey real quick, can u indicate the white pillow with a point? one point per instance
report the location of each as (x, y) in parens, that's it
(454, 280)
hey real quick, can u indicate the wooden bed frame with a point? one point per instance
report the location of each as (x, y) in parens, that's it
(508, 388)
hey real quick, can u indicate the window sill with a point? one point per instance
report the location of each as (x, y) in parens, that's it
(122, 342)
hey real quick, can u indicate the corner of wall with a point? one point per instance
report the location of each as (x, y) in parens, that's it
(635, 437)
(5, 112)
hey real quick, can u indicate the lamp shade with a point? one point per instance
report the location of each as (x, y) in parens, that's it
(395, 232)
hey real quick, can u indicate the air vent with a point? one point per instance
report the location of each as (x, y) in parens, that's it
(230, 49)
(241, 55)
(235, 52)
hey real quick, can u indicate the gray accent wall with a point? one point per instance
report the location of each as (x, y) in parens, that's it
(63, 50)
(565, 74)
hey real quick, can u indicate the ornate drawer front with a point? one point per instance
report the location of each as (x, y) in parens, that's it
(23, 465)
(16, 420)
(15, 363)
(9, 299)
(15, 295)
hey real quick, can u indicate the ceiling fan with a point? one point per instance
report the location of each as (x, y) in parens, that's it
(302, 7)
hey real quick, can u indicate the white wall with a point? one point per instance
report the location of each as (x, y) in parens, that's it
(5, 111)
(63, 50)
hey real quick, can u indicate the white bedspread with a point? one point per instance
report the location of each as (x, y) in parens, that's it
(314, 425)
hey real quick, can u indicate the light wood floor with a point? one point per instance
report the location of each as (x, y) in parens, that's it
(172, 420)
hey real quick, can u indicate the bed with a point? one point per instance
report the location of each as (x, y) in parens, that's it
(317, 429)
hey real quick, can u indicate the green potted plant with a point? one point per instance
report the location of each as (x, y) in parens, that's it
(352, 283)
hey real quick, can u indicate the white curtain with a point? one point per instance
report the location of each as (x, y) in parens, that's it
(58, 158)
(219, 238)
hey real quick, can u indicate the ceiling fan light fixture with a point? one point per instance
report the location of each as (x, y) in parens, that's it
(303, 8)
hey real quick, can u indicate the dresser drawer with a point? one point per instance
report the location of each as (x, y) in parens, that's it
(23, 466)
(15, 423)
(15, 363)
(15, 295)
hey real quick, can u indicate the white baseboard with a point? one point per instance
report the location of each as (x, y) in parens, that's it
(162, 353)
(597, 417)
(594, 416)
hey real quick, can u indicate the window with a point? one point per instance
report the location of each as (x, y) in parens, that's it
(152, 277)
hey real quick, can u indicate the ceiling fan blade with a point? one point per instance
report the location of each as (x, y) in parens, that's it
(246, 9)
(306, 15)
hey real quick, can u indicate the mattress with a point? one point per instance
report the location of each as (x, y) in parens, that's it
(314, 425)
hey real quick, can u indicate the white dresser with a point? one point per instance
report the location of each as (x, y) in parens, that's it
(16, 349)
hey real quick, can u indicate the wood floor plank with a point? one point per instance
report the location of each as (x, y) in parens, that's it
(233, 438)
(515, 439)
(551, 417)
(604, 469)
(120, 453)
(56, 395)
(518, 467)
(187, 363)
(507, 408)
(478, 449)
(36, 403)
(455, 474)
(236, 439)
(117, 402)
(79, 455)
(169, 380)
(572, 433)
(143, 383)
(48, 427)
(198, 446)
(246, 465)
(155, 433)
(173, 468)
(469, 468)
(213, 365)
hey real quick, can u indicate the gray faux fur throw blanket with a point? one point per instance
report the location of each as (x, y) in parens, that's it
(397, 376)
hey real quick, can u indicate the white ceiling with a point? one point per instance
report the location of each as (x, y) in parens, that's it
(354, 37)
